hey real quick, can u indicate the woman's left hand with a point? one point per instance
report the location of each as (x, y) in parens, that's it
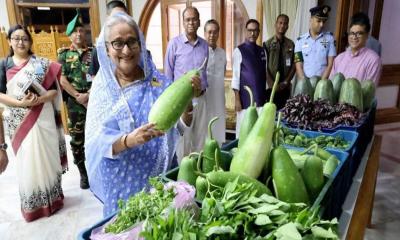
(196, 84)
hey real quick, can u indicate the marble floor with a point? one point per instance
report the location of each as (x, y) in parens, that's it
(82, 209)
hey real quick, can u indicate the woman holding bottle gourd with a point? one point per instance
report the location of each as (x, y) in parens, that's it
(122, 149)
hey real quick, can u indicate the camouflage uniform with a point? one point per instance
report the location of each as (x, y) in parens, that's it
(75, 66)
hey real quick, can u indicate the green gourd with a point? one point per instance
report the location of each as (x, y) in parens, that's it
(211, 149)
(303, 86)
(170, 105)
(351, 93)
(313, 176)
(221, 178)
(337, 81)
(187, 169)
(314, 81)
(201, 187)
(288, 183)
(249, 119)
(324, 90)
(368, 90)
(253, 155)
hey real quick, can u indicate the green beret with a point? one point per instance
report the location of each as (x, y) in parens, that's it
(76, 22)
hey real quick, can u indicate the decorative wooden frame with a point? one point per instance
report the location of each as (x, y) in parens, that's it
(14, 16)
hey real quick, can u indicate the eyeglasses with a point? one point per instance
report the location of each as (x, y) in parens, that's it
(356, 34)
(24, 40)
(132, 44)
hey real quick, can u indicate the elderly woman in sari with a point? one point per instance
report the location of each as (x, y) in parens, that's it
(30, 91)
(122, 149)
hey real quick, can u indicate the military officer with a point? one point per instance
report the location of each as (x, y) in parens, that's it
(76, 82)
(315, 50)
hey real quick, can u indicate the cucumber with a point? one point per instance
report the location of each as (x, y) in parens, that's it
(253, 155)
(351, 93)
(220, 179)
(288, 183)
(170, 105)
(313, 176)
(249, 119)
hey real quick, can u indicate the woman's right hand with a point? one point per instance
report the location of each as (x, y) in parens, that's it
(29, 100)
(142, 135)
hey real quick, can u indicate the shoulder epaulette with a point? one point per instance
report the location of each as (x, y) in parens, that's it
(61, 50)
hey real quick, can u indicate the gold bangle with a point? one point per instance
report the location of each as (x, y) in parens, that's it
(125, 142)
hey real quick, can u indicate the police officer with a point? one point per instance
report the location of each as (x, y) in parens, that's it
(76, 82)
(315, 50)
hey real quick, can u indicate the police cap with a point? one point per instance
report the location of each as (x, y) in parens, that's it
(320, 11)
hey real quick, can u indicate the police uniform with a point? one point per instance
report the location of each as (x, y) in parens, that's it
(75, 66)
(314, 53)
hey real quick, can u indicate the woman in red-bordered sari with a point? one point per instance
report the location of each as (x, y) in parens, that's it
(33, 122)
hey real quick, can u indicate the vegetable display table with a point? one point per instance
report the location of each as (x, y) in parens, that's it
(357, 208)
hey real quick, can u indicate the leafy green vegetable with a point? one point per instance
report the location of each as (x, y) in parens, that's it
(141, 206)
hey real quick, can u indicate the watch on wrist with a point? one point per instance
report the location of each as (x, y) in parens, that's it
(3, 146)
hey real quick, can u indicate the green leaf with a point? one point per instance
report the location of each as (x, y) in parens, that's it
(264, 209)
(262, 219)
(320, 232)
(287, 232)
(177, 236)
(220, 230)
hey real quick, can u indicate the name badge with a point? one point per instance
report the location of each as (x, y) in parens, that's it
(305, 45)
(88, 77)
(288, 63)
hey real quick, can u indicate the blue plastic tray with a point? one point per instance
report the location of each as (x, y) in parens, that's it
(348, 136)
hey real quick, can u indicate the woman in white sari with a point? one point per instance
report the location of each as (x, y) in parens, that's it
(30, 91)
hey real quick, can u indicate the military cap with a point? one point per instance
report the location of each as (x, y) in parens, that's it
(110, 1)
(320, 11)
(75, 22)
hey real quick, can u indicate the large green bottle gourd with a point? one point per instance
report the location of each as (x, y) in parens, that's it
(251, 157)
(167, 109)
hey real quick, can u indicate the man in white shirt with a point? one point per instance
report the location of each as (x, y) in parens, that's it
(215, 94)
(249, 69)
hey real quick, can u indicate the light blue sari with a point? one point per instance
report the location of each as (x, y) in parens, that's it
(114, 111)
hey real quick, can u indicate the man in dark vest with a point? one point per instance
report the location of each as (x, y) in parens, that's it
(249, 69)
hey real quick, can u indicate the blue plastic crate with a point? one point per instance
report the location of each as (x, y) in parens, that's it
(348, 136)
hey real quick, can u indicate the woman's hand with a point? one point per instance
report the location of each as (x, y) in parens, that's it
(142, 135)
(196, 84)
(29, 100)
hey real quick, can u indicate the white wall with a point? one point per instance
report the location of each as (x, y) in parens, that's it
(4, 15)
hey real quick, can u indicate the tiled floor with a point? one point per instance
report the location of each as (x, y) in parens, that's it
(82, 209)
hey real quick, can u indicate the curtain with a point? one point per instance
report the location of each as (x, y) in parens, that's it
(297, 10)
(301, 23)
